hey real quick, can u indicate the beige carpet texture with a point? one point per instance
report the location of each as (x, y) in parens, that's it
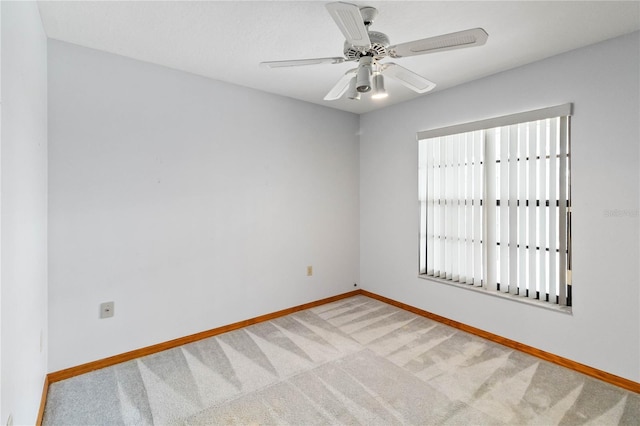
(357, 361)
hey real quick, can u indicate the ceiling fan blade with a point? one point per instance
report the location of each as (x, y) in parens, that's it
(341, 86)
(441, 43)
(301, 62)
(349, 19)
(408, 78)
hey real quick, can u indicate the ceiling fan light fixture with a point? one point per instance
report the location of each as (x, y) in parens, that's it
(367, 48)
(363, 77)
(379, 91)
(352, 92)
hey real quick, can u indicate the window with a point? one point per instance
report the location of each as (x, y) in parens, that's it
(495, 205)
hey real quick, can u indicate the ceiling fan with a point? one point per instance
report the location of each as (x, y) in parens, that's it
(368, 48)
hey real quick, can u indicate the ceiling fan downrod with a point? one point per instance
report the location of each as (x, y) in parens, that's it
(369, 14)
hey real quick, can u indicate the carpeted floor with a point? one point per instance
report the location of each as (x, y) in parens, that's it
(355, 361)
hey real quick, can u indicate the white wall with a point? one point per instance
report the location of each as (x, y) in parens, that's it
(189, 202)
(23, 219)
(602, 82)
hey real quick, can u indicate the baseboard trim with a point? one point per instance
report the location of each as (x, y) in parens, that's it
(43, 401)
(149, 350)
(547, 356)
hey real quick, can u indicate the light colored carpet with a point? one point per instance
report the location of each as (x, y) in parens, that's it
(355, 361)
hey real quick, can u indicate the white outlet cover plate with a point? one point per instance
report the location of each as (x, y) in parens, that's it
(107, 309)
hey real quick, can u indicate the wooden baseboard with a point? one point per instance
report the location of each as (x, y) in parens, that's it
(149, 350)
(555, 359)
(43, 401)
(128, 356)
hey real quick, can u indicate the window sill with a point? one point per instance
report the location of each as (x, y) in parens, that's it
(506, 296)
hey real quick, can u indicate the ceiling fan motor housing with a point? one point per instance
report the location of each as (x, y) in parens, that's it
(378, 48)
(368, 47)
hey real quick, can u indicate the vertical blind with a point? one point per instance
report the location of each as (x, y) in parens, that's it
(495, 204)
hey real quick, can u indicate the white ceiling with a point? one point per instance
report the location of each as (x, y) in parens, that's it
(226, 40)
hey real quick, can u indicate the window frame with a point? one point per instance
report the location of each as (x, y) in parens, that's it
(558, 111)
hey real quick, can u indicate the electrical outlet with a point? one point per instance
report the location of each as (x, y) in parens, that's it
(309, 270)
(107, 309)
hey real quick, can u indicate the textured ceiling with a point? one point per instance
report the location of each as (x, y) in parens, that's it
(226, 40)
